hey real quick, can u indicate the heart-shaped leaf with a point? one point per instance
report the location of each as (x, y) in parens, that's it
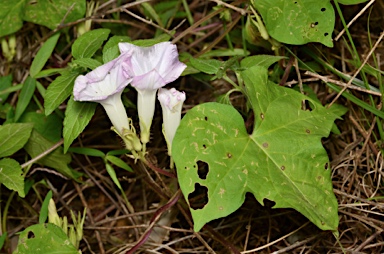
(283, 160)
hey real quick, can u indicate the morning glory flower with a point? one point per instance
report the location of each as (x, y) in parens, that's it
(152, 68)
(171, 102)
(104, 85)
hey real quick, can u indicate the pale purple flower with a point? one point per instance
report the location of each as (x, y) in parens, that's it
(171, 102)
(151, 68)
(105, 85)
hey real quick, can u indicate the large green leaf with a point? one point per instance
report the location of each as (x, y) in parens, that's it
(13, 137)
(44, 239)
(59, 90)
(11, 13)
(37, 144)
(11, 175)
(50, 13)
(283, 159)
(298, 22)
(77, 117)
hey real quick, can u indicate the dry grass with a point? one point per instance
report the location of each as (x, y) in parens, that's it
(355, 155)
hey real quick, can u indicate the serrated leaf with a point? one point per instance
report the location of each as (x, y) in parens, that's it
(37, 144)
(209, 66)
(11, 13)
(87, 44)
(77, 117)
(25, 97)
(89, 63)
(118, 162)
(298, 22)
(11, 175)
(59, 90)
(50, 13)
(283, 159)
(13, 137)
(43, 55)
(47, 239)
(261, 60)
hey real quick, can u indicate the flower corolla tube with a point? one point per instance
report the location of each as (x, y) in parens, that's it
(171, 102)
(152, 68)
(105, 85)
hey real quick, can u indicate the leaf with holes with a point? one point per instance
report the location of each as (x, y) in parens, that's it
(45, 239)
(298, 21)
(283, 160)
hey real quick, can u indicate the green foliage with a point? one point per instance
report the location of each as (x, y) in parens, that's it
(298, 22)
(118, 162)
(50, 13)
(283, 159)
(43, 55)
(5, 83)
(87, 44)
(111, 48)
(88, 63)
(59, 90)
(11, 13)
(25, 97)
(44, 239)
(13, 137)
(350, 2)
(11, 175)
(82, 112)
(44, 208)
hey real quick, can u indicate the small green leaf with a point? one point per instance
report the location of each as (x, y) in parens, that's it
(44, 208)
(13, 137)
(118, 162)
(112, 174)
(111, 48)
(209, 66)
(43, 55)
(37, 144)
(49, 72)
(77, 117)
(89, 63)
(47, 239)
(25, 97)
(50, 13)
(87, 151)
(87, 44)
(5, 82)
(11, 175)
(298, 22)
(260, 60)
(59, 90)
(11, 13)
